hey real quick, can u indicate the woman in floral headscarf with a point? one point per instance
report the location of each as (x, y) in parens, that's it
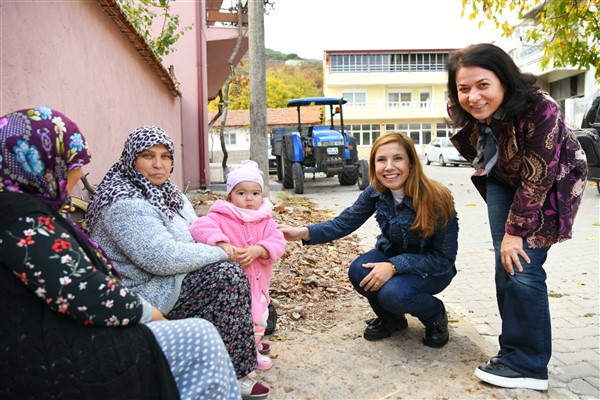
(60, 302)
(141, 219)
(531, 171)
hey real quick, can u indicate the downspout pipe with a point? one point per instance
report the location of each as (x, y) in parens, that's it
(201, 24)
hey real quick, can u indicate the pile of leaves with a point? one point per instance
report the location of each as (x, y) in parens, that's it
(309, 282)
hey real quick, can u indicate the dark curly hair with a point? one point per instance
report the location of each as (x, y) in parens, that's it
(519, 87)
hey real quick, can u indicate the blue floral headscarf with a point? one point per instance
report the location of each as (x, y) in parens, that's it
(38, 146)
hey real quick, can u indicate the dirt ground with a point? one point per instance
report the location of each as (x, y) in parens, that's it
(333, 361)
(318, 350)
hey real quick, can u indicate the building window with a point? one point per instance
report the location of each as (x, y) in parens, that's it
(230, 138)
(365, 134)
(420, 133)
(399, 99)
(443, 130)
(388, 62)
(393, 99)
(425, 133)
(566, 88)
(424, 99)
(355, 99)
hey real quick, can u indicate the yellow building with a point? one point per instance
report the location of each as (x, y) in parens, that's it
(390, 90)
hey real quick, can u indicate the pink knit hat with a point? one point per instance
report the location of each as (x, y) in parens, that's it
(247, 171)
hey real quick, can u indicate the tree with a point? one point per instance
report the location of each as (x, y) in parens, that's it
(222, 102)
(567, 30)
(284, 82)
(141, 13)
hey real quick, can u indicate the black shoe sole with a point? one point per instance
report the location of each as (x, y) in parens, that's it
(435, 344)
(375, 336)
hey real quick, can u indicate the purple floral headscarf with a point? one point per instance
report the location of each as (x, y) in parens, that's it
(38, 146)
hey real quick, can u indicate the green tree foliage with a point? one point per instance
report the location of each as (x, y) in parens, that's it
(275, 55)
(567, 30)
(284, 82)
(143, 13)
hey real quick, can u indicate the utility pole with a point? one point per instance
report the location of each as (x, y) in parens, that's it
(258, 88)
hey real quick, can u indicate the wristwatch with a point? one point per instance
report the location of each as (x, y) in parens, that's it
(394, 269)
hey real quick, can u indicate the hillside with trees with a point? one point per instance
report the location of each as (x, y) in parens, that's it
(298, 78)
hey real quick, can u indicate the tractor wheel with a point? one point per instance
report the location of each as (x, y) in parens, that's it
(363, 174)
(442, 161)
(298, 178)
(348, 178)
(279, 162)
(288, 177)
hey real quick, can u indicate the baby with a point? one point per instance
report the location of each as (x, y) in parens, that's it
(244, 227)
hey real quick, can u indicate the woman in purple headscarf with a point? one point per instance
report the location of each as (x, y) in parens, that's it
(69, 329)
(531, 171)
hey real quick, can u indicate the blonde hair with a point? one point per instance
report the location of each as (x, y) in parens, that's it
(432, 201)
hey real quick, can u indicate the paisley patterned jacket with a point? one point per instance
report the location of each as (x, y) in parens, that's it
(541, 159)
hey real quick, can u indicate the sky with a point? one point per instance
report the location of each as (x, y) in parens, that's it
(309, 27)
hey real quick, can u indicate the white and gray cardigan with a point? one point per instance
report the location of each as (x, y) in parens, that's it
(152, 253)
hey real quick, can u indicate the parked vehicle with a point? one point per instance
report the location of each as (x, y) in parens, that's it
(322, 148)
(589, 138)
(271, 158)
(442, 151)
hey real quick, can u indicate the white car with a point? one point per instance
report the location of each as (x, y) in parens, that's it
(271, 158)
(442, 151)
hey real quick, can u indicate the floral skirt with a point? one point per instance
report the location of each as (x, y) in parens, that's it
(220, 293)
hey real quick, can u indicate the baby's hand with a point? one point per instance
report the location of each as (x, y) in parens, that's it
(248, 254)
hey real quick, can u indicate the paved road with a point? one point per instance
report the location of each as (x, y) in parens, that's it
(573, 269)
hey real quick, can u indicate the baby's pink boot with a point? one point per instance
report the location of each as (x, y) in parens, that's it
(263, 362)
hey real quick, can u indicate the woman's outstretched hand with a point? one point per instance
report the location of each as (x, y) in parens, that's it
(294, 232)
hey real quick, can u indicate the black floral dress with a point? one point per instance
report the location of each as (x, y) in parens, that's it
(68, 329)
(48, 261)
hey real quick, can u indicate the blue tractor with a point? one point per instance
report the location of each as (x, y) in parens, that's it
(312, 149)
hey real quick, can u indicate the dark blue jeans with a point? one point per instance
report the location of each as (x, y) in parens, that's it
(403, 293)
(526, 339)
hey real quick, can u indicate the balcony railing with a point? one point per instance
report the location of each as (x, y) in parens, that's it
(336, 69)
(405, 110)
(526, 54)
(388, 105)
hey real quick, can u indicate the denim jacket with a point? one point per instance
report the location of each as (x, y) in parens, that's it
(407, 250)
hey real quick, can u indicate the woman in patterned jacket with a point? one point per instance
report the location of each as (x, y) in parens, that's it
(141, 219)
(531, 171)
(69, 329)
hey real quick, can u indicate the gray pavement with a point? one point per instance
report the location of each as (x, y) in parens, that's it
(572, 267)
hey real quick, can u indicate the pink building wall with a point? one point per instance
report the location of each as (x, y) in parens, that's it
(190, 72)
(201, 66)
(72, 57)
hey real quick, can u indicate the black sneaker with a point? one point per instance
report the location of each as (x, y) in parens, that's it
(377, 329)
(500, 375)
